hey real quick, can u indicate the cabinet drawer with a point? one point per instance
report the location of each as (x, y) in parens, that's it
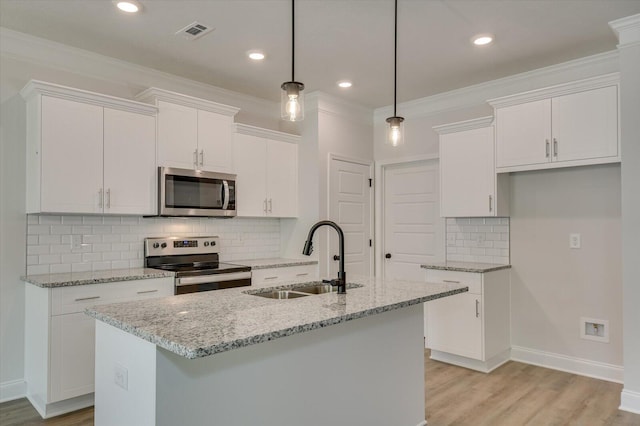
(471, 279)
(288, 273)
(67, 300)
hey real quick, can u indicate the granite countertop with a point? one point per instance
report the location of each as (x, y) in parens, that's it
(273, 263)
(465, 266)
(94, 277)
(201, 324)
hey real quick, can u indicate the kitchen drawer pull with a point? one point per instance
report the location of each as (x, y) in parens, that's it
(87, 298)
(490, 203)
(270, 205)
(195, 158)
(100, 198)
(302, 275)
(109, 198)
(546, 148)
(201, 157)
(148, 291)
(451, 281)
(555, 147)
(265, 205)
(270, 278)
(477, 308)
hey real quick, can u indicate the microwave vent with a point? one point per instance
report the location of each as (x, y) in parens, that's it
(194, 31)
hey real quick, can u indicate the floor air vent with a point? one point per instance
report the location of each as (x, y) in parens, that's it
(194, 30)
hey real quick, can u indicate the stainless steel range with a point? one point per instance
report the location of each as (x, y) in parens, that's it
(195, 261)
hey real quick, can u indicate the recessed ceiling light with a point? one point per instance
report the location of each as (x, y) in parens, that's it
(345, 84)
(482, 39)
(255, 55)
(129, 6)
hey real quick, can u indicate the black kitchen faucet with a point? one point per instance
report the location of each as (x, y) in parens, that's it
(341, 281)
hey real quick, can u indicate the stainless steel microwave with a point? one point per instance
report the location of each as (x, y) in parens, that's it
(185, 192)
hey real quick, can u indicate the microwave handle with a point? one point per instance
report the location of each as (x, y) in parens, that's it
(225, 194)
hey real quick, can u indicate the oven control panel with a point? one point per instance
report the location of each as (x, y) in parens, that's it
(168, 246)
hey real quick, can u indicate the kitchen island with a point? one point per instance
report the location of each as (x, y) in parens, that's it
(233, 358)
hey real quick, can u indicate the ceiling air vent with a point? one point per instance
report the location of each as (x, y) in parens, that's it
(194, 30)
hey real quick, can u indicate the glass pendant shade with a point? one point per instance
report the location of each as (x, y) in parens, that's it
(292, 101)
(395, 132)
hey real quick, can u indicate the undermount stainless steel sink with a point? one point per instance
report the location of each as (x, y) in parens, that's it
(308, 289)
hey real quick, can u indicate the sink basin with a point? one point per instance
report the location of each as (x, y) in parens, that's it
(316, 289)
(282, 294)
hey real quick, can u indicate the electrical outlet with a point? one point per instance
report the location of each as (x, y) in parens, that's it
(121, 377)
(575, 241)
(594, 329)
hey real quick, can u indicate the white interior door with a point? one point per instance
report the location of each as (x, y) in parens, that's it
(350, 207)
(413, 229)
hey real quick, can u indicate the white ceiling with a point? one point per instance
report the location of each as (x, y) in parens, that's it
(335, 39)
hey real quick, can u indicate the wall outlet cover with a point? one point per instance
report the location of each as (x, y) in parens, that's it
(121, 376)
(575, 241)
(594, 329)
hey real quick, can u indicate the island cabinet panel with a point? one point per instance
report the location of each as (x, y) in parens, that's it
(60, 339)
(193, 133)
(266, 276)
(88, 153)
(469, 186)
(470, 329)
(567, 125)
(266, 164)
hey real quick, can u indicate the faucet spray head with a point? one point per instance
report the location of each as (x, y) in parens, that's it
(308, 247)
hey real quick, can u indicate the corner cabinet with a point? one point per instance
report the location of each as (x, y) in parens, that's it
(192, 133)
(266, 164)
(88, 153)
(566, 125)
(60, 339)
(470, 329)
(469, 185)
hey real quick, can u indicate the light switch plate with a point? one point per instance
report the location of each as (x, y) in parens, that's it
(575, 241)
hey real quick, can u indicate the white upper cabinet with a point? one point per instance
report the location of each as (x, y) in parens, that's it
(88, 153)
(266, 164)
(192, 133)
(468, 183)
(568, 125)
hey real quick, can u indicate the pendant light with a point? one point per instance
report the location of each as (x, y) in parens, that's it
(395, 134)
(292, 95)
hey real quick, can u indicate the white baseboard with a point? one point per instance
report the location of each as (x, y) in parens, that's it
(630, 401)
(583, 367)
(422, 423)
(472, 364)
(13, 389)
(61, 407)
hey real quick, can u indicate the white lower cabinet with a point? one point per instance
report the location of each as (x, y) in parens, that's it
(470, 329)
(264, 277)
(60, 339)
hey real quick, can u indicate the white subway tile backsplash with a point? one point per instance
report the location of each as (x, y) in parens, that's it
(60, 269)
(117, 241)
(483, 240)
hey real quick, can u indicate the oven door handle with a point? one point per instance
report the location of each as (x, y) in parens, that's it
(215, 278)
(225, 195)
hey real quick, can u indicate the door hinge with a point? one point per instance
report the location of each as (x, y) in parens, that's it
(370, 183)
(370, 243)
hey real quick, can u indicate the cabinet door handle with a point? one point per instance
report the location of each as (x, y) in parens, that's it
(477, 308)
(270, 278)
(302, 275)
(265, 205)
(195, 158)
(147, 291)
(109, 198)
(451, 281)
(555, 147)
(87, 298)
(490, 203)
(100, 198)
(546, 148)
(270, 205)
(201, 157)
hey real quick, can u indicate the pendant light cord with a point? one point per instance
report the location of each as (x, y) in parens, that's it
(395, 58)
(293, 40)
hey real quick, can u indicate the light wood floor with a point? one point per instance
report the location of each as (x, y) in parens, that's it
(513, 395)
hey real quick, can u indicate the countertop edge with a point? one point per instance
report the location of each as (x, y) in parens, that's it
(466, 268)
(264, 337)
(44, 283)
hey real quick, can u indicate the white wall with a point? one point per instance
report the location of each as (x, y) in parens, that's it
(552, 285)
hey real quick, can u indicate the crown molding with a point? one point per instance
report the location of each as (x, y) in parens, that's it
(245, 129)
(478, 94)
(627, 30)
(153, 95)
(323, 102)
(459, 126)
(612, 79)
(35, 87)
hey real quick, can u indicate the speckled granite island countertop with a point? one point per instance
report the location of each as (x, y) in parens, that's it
(274, 263)
(202, 324)
(465, 266)
(94, 277)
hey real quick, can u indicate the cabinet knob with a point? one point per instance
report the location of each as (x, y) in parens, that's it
(336, 257)
(387, 256)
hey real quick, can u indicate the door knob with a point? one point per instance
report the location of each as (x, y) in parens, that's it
(387, 256)
(336, 257)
